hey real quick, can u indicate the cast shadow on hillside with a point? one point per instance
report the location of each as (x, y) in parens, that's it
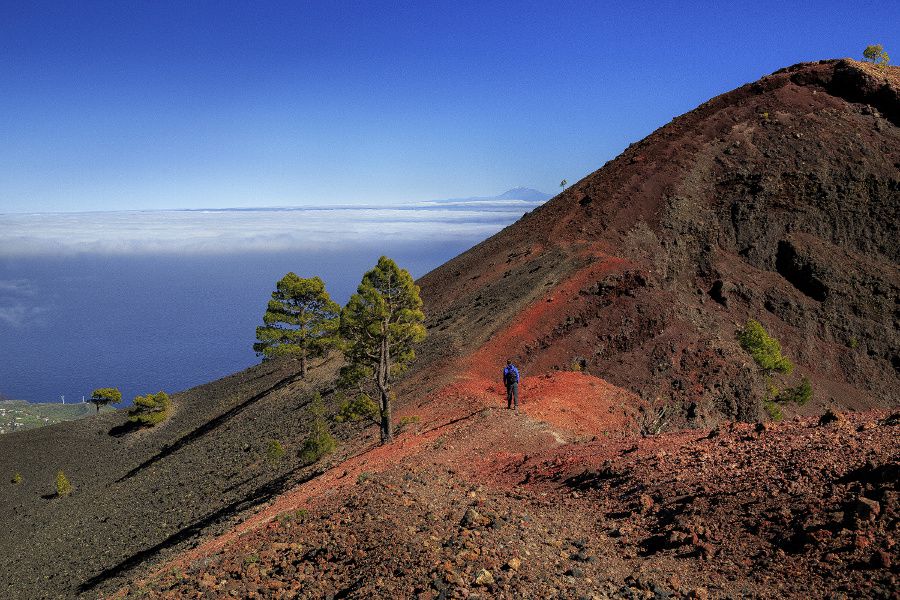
(124, 429)
(256, 497)
(210, 425)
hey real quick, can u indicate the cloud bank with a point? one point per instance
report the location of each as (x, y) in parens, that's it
(223, 231)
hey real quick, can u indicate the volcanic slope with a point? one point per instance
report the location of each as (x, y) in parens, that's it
(777, 201)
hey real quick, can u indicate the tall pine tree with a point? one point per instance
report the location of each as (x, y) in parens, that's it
(301, 321)
(380, 324)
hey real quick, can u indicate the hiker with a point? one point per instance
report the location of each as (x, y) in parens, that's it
(511, 381)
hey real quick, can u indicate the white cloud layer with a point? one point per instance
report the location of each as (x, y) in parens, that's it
(250, 230)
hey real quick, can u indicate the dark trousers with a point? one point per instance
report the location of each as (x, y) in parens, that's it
(512, 395)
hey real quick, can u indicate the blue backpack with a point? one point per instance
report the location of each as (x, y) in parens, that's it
(510, 374)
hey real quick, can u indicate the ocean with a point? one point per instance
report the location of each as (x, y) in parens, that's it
(166, 300)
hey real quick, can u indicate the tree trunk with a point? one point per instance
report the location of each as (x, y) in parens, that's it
(303, 365)
(382, 376)
(387, 435)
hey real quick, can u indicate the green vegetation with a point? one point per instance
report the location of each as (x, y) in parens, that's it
(765, 350)
(406, 422)
(274, 452)
(104, 396)
(773, 409)
(563, 183)
(63, 486)
(17, 478)
(380, 324)
(297, 515)
(19, 415)
(300, 321)
(359, 408)
(363, 477)
(320, 441)
(151, 409)
(876, 54)
(251, 559)
(799, 395)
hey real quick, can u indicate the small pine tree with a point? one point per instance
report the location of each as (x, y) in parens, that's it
(63, 486)
(275, 452)
(876, 55)
(362, 407)
(320, 441)
(103, 396)
(799, 395)
(765, 350)
(300, 320)
(151, 409)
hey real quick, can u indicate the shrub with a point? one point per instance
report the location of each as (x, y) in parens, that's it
(17, 478)
(406, 422)
(363, 477)
(151, 409)
(653, 419)
(297, 515)
(799, 395)
(251, 559)
(274, 452)
(320, 442)
(63, 486)
(773, 409)
(357, 409)
(765, 350)
(876, 55)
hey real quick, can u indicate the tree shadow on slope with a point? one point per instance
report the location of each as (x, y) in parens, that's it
(207, 427)
(255, 497)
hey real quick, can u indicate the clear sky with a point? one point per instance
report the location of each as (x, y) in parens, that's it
(136, 105)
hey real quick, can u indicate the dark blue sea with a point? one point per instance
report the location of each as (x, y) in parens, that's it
(169, 316)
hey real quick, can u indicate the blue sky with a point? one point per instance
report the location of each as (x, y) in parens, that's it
(141, 105)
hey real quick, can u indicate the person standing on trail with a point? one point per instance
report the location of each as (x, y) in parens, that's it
(511, 381)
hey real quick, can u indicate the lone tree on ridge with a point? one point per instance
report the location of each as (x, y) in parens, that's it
(876, 54)
(380, 324)
(103, 396)
(300, 320)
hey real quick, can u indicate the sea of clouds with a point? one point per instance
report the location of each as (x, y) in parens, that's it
(250, 230)
(150, 300)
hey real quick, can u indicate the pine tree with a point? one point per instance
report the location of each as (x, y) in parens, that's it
(381, 323)
(63, 486)
(151, 409)
(301, 321)
(103, 396)
(320, 441)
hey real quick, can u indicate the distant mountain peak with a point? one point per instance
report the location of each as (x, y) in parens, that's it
(517, 193)
(523, 193)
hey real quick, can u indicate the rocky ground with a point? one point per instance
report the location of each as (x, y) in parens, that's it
(779, 510)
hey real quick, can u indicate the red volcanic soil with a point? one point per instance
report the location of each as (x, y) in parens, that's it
(798, 509)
